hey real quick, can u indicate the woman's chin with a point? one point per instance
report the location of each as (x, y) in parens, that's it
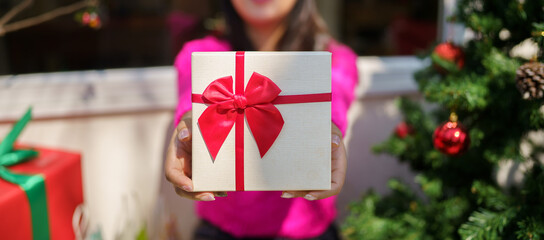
(259, 12)
(261, 2)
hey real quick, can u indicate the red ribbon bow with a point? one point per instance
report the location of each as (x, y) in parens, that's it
(264, 119)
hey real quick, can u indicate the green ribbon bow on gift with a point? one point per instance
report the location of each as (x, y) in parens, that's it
(32, 185)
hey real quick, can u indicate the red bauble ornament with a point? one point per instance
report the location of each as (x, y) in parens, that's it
(403, 129)
(448, 54)
(451, 137)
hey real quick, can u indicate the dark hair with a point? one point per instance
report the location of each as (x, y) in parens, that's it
(305, 29)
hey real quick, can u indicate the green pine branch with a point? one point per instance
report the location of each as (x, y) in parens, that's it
(486, 225)
(458, 196)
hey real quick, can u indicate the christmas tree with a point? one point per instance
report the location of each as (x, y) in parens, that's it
(486, 110)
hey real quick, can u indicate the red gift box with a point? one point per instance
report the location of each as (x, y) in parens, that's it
(63, 190)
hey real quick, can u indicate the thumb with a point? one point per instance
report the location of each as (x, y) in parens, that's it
(336, 137)
(335, 141)
(184, 128)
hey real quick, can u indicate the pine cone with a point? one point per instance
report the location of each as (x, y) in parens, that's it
(530, 80)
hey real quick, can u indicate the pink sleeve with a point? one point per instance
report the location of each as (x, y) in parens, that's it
(344, 80)
(183, 67)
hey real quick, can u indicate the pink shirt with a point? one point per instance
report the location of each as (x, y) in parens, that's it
(265, 214)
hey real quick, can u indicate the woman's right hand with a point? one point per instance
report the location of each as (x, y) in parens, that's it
(178, 161)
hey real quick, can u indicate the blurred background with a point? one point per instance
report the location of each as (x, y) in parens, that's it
(145, 33)
(106, 88)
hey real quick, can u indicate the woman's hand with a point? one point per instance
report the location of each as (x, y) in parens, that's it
(177, 165)
(338, 170)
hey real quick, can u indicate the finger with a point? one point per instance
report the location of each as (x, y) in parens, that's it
(179, 179)
(294, 194)
(198, 196)
(339, 162)
(174, 167)
(178, 164)
(184, 128)
(183, 140)
(336, 136)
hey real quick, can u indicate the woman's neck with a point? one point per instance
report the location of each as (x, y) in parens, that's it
(265, 37)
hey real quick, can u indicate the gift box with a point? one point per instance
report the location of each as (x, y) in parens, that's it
(39, 191)
(261, 121)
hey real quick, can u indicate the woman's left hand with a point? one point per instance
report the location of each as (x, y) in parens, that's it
(338, 170)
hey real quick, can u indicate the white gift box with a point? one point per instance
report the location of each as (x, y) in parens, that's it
(300, 156)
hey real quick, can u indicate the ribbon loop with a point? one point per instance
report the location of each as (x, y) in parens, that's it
(16, 157)
(8, 156)
(261, 90)
(219, 90)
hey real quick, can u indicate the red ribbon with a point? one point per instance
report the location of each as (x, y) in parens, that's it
(226, 109)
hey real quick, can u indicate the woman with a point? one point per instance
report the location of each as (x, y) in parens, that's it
(266, 25)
